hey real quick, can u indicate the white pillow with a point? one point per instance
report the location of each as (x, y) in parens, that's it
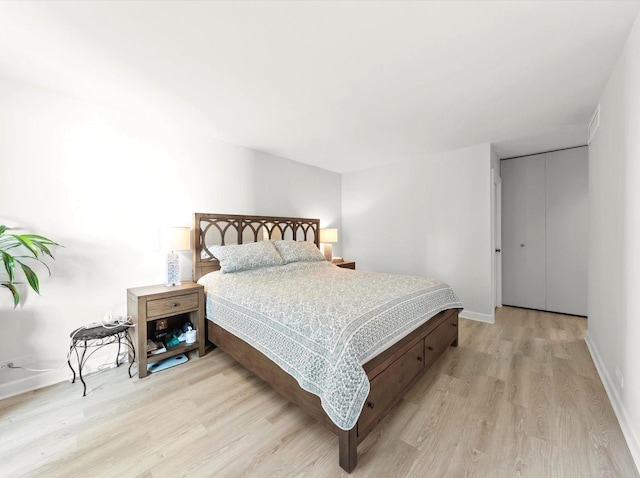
(244, 257)
(298, 251)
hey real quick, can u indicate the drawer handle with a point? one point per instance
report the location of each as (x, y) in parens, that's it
(454, 325)
(175, 304)
(370, 404)
(430, 348)
(419, 358)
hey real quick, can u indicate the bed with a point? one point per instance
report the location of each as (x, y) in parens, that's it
(287, 329)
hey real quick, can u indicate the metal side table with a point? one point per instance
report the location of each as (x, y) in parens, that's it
(96, 338)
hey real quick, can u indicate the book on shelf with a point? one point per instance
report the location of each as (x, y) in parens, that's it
(155, 348)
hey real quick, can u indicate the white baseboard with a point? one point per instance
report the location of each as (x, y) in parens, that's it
(32, 382)
(26, 381)
(477, 316)
(616, 402)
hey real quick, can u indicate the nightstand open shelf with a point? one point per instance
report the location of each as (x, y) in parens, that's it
(178, 349)
(174, 305)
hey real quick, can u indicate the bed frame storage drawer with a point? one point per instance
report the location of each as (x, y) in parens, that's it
(386, 385)
(440, 339)
(172, 305)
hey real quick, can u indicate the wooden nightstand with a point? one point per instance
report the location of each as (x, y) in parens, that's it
(345, 264)
(175, 305)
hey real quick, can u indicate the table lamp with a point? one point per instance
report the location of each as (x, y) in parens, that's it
(328, 237)
(175, 239)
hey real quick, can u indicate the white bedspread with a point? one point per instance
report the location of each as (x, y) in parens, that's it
(320, 323)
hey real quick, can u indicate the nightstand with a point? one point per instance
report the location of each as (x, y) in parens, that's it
(345, 264)
(160, 307)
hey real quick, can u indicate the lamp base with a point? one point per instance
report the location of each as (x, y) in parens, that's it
(173, 269)
(328, 252)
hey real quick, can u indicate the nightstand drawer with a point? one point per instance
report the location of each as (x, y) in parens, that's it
(172, 305)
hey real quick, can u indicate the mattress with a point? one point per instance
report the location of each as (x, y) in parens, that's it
(321, 323)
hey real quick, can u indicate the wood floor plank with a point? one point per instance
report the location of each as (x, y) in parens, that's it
(520, 397)
(539, 455)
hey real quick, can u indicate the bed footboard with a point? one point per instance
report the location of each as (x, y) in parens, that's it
(391, 373)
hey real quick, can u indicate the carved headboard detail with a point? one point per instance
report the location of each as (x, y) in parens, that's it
(225, 229)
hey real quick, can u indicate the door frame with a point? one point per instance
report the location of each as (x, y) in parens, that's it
(496, 236)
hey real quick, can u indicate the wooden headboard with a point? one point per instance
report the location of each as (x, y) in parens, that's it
(225, 229)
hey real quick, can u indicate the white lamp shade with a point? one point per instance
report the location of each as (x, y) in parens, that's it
(176, 239)
(328, 236)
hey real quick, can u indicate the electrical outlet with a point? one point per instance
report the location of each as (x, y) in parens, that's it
(17, 362)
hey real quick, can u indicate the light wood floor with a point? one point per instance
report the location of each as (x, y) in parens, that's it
(518, 398)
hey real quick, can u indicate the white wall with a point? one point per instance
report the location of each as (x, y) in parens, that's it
(103, 182)
(429, 217)
(614, 240)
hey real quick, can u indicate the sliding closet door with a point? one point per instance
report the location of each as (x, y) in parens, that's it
(567, 230)
(523, 232)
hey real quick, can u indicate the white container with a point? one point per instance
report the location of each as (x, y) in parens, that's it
(191, 336)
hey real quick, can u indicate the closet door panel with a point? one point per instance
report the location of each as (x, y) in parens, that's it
(523, 232)
(567, 230)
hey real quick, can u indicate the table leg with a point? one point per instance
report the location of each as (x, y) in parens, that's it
(129, 342)
(118, 355)
(71, 349)
(81, 363)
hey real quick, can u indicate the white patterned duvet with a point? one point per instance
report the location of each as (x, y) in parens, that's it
(320, 323)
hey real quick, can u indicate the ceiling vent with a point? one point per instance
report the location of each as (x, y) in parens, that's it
(594, 124)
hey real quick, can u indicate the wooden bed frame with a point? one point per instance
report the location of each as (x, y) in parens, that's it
(391, 373)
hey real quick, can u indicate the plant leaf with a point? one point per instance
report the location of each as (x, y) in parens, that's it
(42, 239)
(32, 278)
(26, 242)
(46, 266)
(34, 259)
(14, 293)
(43, 248)
(24, 247)
(9, 265)
(11, 245)
(8, 239)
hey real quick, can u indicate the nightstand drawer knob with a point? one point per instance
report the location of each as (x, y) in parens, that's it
(175, 304)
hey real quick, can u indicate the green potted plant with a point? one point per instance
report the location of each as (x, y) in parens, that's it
(16, 250)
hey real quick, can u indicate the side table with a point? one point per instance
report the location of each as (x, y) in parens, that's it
(173, 306)
(96, 338)
(345, 264)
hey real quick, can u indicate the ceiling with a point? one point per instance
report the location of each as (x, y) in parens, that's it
(340, 85)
